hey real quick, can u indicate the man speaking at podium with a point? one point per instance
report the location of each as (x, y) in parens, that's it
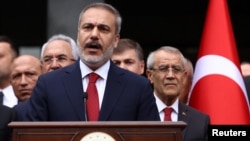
(114, 94)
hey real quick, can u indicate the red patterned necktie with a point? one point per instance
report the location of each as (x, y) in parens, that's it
(168, 112)
(93, 101)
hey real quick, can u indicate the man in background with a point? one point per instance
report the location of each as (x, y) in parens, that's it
(245, 68)
(187, 82)
(7, 115)
(59, 51)
(8, 52)
(25, 71)
(129, 55)
(247, 85)
(166, 71)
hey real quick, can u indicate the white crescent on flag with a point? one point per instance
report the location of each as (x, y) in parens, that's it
(218, 88)
(221, 66)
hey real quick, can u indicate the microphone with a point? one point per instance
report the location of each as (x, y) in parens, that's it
(85, 97)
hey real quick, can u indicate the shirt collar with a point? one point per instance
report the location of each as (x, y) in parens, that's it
(161, 106)
(7, 89)
(102, 71)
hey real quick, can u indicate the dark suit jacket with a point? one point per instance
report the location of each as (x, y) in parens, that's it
(7, 115)
(21, 110)
(247, 84)
(197, 123)
(58, 96)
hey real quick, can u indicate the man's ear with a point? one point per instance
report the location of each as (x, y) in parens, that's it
(117, 38)
(142, 67)
(149, 75)
(185, 75)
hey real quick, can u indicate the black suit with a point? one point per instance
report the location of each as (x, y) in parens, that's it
(197, 123)
(7, 115)
(247, 84)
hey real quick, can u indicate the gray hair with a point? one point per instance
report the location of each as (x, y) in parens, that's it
(107, 7)
(170, 49)
(64, 38)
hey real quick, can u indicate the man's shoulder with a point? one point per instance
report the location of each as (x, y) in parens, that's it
(6, 110)
(126, 74)
(196, 112)
(60, 72)
(133, 76)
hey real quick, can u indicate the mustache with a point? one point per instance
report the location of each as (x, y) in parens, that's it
(93, 44)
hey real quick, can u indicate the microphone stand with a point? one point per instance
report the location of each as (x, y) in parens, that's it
(85, 97)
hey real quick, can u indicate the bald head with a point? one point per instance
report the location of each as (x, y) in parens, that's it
(25, 70)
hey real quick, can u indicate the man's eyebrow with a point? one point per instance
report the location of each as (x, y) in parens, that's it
(59, 55)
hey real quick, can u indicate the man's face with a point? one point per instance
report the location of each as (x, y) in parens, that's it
(96, 37)
(129, 60)
(245, 68)
(57, 54)
(167, 75)
(25, 71)
(6, 58)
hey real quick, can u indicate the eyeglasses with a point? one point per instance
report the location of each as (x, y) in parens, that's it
(59, 59)
(167, 69)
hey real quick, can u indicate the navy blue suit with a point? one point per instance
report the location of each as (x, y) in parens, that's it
(21, 110)
(197, 123)
(58, 96)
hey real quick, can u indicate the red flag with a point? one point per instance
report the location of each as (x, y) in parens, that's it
(218, 88)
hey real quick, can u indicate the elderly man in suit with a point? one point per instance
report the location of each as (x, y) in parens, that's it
(166, 71)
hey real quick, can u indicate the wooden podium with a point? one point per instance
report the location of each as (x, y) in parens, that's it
(97, 131)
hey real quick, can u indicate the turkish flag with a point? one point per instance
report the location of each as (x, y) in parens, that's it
(218, 88)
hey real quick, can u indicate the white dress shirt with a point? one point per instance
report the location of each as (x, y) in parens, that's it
(101, 81)
(9, 97)
(161, 106)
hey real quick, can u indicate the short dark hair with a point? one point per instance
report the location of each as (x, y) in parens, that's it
(127, 43)
(13, 46)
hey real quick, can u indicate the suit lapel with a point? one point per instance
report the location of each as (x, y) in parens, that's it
(183, 112)
(113, 90)
(183, 116)
(73, 84)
